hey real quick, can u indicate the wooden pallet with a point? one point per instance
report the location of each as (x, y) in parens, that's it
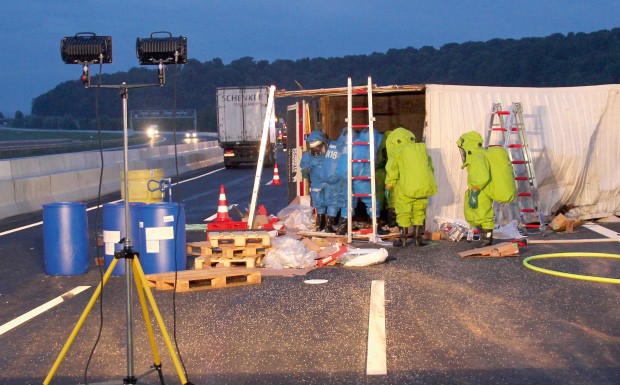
(192, 280)
(205, 262)
(356, 235)
(239, 238)
(225, 256)
(226, 250)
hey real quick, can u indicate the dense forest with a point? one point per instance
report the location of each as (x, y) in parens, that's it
(575, 59)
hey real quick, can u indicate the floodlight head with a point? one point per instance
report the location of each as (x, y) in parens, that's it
(162, 50)
(86, 47)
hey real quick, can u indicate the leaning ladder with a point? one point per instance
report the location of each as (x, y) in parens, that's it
(351, 91)
(261, 157)
(510, 128)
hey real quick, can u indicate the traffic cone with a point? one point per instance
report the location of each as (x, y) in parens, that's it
(222, 207)
(262, 210)
(276, 176)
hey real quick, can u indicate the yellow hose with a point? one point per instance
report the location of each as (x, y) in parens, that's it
(569, 275)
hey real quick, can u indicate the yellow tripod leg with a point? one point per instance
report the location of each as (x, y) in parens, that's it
(145, 314)
(160, 321)
(80, 322)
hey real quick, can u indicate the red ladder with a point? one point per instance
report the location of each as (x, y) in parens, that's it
(351, 91)
(507, 129)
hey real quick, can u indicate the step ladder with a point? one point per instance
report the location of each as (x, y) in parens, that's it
(369, 123)
(507, 129)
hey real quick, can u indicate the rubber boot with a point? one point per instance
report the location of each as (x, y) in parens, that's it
(486, 237)
(418, 234)
(402, 240)
(329, 225)
(320, 222)
(343, 226)
(381, 230)
(391, 217)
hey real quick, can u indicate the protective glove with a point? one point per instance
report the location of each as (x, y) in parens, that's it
(305, 173)
(386, 194)
(473, 198)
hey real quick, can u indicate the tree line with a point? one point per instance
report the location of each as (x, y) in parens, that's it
(574, 59)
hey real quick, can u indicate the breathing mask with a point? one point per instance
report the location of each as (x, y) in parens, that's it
(463, 154)
(317, 148)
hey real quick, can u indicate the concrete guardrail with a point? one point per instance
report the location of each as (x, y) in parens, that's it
(26, 184)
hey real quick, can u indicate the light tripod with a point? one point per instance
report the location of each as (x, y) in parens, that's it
(79, 50)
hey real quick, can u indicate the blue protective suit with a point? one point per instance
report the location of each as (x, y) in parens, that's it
(335, 182)
(311, 167)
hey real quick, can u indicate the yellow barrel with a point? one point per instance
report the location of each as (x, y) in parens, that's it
(138, 185)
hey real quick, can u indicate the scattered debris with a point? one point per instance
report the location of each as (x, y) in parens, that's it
(315, 281)
(563, 223)
(289, 253)
(504, 249)
(508, 231)
(332, 256)
(369, 257)
(454, 229)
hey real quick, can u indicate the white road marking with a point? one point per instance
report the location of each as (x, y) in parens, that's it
(21, 228)
(602, 230)
(376, 361)
(41, 309)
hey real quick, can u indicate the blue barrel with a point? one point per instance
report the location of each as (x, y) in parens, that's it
(114, 231)
(65, 238)
(162, 237)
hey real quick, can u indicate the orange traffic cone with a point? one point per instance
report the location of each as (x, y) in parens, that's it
(262, 210)
(276, 176)
(222, 207)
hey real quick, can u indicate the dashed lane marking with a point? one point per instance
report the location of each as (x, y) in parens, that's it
(41, 309)
(376, 361)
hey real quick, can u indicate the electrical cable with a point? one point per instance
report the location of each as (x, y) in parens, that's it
(570, 275)
(98, 206)
(178, 196)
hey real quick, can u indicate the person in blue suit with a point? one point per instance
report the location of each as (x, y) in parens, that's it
(335, 180)
(311, 165)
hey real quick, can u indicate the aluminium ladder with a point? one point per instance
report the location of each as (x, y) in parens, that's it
(351, 91)
(511, 129)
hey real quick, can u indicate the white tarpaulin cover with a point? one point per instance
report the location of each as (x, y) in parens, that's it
(573, 134)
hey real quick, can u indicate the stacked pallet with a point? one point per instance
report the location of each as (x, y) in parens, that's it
(235, 254)
(227, 249)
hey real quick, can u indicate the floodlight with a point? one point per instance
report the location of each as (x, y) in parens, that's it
(86, 47)
(162, 50)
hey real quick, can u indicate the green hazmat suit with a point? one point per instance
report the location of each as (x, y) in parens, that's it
(491, 173)
(380, 173)
(410, 173)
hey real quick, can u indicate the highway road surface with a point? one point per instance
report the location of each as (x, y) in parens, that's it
(447, 319)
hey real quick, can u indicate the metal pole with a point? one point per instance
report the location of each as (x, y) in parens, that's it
(128, 243)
